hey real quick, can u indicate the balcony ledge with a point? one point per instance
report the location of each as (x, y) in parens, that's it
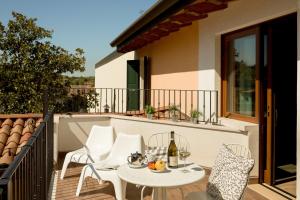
(227, 125)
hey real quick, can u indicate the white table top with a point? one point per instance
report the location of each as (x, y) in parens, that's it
(169, 178)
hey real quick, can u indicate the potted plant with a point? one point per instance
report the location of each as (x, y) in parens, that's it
(195, 114)
(174, 112)
(149, 110)
(106, 108)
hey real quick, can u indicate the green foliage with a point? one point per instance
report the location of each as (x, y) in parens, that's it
(81, 80)
(30, 65)
(79, 102)
(173, 109)
(149, 109)
(195, 114)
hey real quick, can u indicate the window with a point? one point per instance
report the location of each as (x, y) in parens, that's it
(240, 83)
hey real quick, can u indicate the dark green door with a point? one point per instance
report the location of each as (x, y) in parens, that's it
(133, 84)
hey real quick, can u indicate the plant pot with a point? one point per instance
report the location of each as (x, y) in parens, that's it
(149, 116)
(194, 120)
(106, 110)
(174, 118)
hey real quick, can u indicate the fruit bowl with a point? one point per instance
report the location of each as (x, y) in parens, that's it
(157, 166)
(157, 171)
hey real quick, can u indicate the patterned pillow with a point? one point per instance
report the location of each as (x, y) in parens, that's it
(229, 175)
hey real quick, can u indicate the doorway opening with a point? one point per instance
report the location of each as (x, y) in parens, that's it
(279, 100)
(259, 80)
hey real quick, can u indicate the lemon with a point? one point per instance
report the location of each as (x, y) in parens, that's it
(160, 165)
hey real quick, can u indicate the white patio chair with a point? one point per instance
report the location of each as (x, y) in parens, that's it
(229, 176)
(158, 144)
(96, 148)
(106, 170)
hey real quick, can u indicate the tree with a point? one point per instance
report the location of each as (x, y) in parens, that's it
(31, 65)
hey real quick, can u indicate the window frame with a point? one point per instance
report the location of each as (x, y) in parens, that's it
(225, 39)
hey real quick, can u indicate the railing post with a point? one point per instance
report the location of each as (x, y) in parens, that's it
(45, 103)
(217, 106)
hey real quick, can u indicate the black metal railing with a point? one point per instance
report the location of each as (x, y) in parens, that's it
(133, 101)
(29, 175)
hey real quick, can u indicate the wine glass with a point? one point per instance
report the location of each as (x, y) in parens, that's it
(184, 152)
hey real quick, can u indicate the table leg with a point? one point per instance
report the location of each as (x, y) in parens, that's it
(159, 194)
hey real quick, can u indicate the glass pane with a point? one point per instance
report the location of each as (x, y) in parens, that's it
(241, 75)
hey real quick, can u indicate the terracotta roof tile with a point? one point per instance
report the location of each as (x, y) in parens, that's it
(19, 122)
(15, 132)
(5, 129)
(8, 122)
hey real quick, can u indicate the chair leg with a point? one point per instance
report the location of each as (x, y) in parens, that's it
(182, 193)
(120, 188)
(142, 192)
(65, 165)
(85, 172)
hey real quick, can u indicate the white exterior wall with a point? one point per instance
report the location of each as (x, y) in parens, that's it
(239, 14)
(113, 74)
(298, 103)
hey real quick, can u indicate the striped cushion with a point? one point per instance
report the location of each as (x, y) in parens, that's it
(158, 152)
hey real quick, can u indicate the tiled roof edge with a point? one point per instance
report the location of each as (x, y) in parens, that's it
(27, 115)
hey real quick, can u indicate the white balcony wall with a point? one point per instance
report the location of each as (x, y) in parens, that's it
(205, 140)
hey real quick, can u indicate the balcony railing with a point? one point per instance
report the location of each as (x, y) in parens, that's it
(133, 101)
(29, 175)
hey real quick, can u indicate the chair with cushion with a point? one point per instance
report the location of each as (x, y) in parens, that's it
(107, 169)
(96, 148)
(229, 175)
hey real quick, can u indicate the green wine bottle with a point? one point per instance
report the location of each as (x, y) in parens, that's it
(172, 153)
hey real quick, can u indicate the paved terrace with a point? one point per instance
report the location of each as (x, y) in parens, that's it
(65, 189)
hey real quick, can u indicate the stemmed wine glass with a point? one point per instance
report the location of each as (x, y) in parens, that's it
(184, 152)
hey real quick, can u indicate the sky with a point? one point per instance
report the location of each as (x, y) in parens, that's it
(90, 25)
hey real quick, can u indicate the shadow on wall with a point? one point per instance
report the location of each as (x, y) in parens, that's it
(73, 131)
(175, 53)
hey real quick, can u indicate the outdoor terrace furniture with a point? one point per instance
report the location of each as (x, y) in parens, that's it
(229, 175)
(158, 144)
(107, 169)
(96, 148)
(160, 181)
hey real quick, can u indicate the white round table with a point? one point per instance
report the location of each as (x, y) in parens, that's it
(161, 181)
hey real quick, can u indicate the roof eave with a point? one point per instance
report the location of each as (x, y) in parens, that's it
(155, 11)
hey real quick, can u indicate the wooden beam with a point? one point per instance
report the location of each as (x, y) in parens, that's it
(205, 7)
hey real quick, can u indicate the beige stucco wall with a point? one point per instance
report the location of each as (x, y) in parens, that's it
(298, 104)
(174, 59)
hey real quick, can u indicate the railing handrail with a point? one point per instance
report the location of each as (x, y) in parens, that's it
(171, 89)
(17, 160)
(7, 179)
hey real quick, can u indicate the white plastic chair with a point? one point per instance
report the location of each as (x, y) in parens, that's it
(96, 148)
(238, 150)
(106, 170)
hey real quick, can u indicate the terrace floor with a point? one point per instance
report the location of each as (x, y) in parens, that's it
(65, 189)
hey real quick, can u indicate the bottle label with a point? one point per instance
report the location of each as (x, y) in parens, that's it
(173, 161)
